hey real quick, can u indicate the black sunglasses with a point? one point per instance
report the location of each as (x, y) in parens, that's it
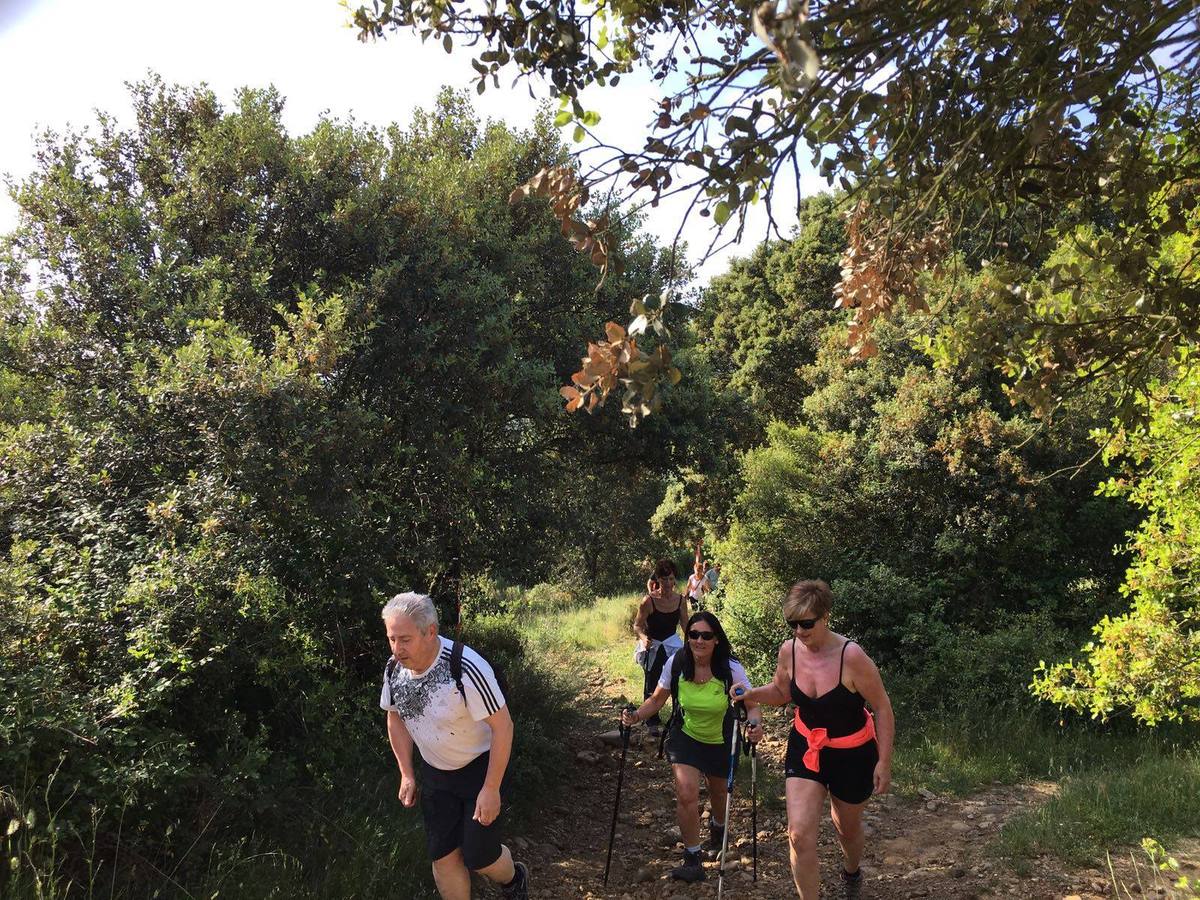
(702, 635)
(806, 624)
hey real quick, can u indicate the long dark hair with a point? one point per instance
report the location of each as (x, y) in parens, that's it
(722, 652)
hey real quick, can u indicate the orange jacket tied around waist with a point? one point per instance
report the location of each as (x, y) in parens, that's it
(818, 739)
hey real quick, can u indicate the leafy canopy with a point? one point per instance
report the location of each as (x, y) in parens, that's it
(943, 119)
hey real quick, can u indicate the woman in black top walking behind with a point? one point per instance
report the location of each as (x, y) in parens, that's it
(661, 615)
(836, 745)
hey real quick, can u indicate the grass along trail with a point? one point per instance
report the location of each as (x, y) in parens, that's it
(921, 843)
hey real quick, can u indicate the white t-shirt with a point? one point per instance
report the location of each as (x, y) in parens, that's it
(735, 668)
(695, 587)
(449, 732)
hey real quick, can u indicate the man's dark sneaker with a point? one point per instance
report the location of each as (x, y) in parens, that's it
(716, 837)
(691, 870)
(519, 889)
(852, 885)
(653, 728)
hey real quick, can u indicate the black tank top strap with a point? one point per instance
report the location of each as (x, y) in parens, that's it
(842, 662)
(797, 694)
(793, 659)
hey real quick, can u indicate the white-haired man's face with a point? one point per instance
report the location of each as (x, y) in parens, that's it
(412, 647)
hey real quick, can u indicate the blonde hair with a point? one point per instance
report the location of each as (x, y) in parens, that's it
(811, 597)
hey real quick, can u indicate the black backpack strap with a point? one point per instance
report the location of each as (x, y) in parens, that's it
(456, 653)
(676, 712)
(730, 714)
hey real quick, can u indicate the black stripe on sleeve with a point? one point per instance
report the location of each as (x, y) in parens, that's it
(489, 702)
(481, 685)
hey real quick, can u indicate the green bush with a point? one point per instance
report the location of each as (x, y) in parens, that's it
(539, 702)
(484, 595)
(551, 598)
(925, 501)
(963, 669)
(265, 381)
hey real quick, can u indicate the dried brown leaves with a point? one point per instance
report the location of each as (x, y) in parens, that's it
(618, 361)
(560, 185)
(879, 267)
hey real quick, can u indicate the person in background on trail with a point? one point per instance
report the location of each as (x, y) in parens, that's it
(464, 732)
(713, 574)
(661, 614)
(836, 745)
(697, 679)
(697, 584)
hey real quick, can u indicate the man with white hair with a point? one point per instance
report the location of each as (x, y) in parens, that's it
(444, 697)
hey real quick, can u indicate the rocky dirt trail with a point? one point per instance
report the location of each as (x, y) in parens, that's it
(917, 847)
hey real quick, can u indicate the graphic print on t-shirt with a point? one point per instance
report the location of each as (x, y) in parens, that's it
(410, 697)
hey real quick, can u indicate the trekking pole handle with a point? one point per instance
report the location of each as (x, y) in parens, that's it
(622, 727)
(739, 706)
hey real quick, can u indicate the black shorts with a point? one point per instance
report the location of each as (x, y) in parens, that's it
(447, 805)
(849, 774)
(654, 672)
(684, 750)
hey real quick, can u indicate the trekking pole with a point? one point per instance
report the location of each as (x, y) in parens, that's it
(754, 803)
(740, 712)
(612, 832)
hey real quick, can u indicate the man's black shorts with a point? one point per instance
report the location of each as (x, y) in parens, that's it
(447, 805)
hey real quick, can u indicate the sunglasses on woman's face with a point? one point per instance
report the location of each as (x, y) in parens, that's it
(806, 624)
(701, 635)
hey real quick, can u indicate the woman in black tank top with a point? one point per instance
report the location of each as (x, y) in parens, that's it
(837, 745)
(839, 711)
(661, 614)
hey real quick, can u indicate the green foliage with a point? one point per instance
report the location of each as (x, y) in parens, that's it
(1166, 865)
(251, 384)
(484, 596)
(922, 497)
(1113, 301)
(1147, 661)
(761, 321)
(988, 666)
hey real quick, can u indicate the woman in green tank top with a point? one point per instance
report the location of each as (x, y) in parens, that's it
(698, 739)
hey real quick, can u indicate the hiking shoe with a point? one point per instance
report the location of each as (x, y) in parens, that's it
(519, 889)
(716, 837)
(852, 885)
(653, 728)
(691, 870)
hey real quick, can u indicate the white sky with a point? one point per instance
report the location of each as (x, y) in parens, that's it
(62, 59)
